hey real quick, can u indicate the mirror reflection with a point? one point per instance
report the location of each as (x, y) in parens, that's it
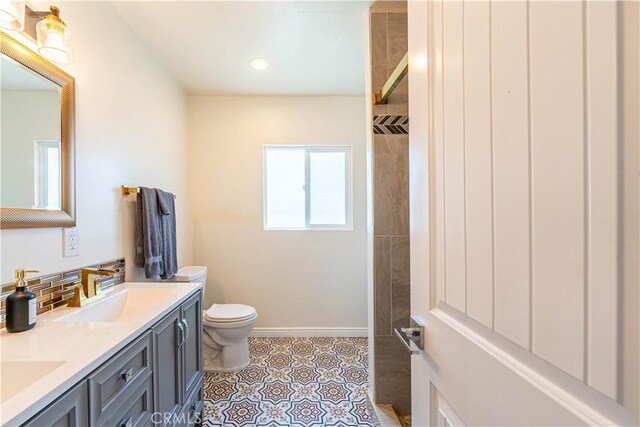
(30, 155)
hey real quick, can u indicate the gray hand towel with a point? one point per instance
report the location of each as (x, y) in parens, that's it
(148, 233)
(139, 260)
(167, 215)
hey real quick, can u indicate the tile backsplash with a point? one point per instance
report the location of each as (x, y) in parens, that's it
(55, 290)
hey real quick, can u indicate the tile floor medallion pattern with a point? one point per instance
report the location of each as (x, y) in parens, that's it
(317, 381)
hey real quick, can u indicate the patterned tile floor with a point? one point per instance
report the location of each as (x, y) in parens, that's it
(317, 381)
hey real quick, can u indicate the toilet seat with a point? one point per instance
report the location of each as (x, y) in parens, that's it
(229, 313)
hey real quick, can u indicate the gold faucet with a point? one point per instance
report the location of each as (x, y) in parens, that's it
(89, 290)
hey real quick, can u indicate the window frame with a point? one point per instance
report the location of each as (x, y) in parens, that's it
(40, 180)
(346, 149)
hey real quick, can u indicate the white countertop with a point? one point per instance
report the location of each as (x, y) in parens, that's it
(59, 354)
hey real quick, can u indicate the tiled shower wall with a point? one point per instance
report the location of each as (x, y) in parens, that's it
(391, 212)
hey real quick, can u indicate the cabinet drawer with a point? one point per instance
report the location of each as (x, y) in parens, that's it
(110, 383)
(135, 410)
(192, 410)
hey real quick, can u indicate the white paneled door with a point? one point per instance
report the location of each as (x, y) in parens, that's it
(524, 212)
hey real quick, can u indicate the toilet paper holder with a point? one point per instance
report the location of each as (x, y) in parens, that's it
(412, 337)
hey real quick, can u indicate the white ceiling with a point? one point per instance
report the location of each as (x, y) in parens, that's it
(313, 48)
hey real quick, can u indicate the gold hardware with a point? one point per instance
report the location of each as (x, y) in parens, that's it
(53, 14)
(89, 290)
(55, 11)
(37, 218)
(129, 190)
(382, 96)
(88, 281)
(126, 190)
(20, 275)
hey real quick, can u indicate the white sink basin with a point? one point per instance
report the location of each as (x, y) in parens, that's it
(16, 375)
(118, 306)
(107, 309)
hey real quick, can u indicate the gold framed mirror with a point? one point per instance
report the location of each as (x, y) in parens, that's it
(37, 183)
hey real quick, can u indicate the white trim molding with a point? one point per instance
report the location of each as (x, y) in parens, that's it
(309, 332)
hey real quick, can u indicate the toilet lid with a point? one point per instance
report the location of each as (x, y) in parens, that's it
(230, 312)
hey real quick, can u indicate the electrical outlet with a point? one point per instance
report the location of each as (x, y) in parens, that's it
(71, 241)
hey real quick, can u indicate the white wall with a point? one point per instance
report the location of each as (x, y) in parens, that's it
(630, 135)
(131, 119)
(294, 279)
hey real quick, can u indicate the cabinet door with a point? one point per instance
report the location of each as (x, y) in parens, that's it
(70, 410)
(192, 347)
(167, 376)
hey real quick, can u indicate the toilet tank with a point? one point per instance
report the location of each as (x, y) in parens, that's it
(192, 273)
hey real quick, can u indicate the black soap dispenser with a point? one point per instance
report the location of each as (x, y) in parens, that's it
(21, 305)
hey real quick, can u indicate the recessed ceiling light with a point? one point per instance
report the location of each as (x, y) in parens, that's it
(259, 64)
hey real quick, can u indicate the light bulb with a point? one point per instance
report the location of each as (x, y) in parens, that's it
(54, 46)
(54, 39)
(259, 64)
(7, 13)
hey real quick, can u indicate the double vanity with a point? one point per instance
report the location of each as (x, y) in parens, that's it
(130, 355)
(132, 358)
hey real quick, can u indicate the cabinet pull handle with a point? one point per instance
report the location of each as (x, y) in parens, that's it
(126, 374)
(186, 325)
(126, 423)
(181, 328)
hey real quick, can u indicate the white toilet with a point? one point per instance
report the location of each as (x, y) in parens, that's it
(225, 328)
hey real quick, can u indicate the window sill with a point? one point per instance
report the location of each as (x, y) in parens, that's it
(309, 229)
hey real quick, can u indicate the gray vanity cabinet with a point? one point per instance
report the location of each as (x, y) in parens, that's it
(178, 350)
(70, 410)
(192, 347)
(136, 410)
(155, 380)
(168, 360)
(125, 378)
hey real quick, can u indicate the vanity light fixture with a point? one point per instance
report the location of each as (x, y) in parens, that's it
(54, 38)
(12, 15)
(259, 64)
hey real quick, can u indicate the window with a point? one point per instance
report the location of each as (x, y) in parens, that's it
(307, 187)
(47, 179)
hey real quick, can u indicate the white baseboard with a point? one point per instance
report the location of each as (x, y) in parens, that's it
(309, 332)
